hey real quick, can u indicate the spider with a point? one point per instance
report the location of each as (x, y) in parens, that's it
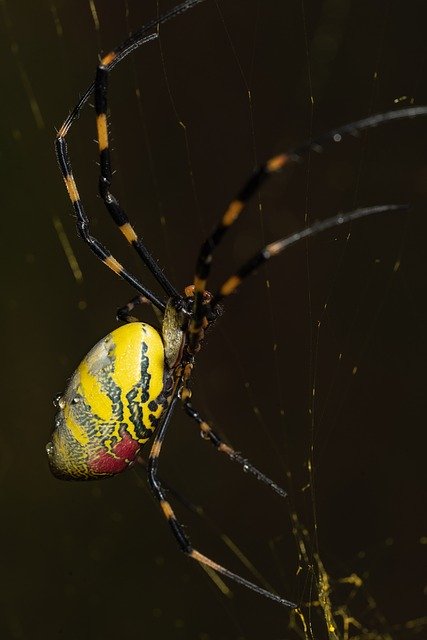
(126, 388)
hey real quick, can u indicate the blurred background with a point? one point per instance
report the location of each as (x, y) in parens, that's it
(316, 370)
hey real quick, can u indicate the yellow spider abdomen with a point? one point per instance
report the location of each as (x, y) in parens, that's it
(111, 405)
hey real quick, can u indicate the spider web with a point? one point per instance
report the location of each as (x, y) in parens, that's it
(316, 369)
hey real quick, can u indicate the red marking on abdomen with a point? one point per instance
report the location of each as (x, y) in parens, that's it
(116, 460)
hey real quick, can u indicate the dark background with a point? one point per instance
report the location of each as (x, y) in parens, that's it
(96, 560)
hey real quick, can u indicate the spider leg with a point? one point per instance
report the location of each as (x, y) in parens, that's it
(112, 205)
(261, 174)
(274, 248)
(199, 511)
(134, 41)
(176, 527)
(82, 222)
(209, 434)
(124, 313)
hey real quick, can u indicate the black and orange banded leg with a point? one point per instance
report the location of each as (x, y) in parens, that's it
(231, 214)
(230, 285)
(183, 541)
(209, 434)
(117, 213)
(82, 222)
(255, 182)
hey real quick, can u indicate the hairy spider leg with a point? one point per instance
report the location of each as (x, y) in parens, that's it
(209, 434)
(176, 527)
(131, 43)
(274, 248)
(264, 171)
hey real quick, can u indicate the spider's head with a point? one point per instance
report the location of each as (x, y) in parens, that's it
(211, 313)
(177, 324)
